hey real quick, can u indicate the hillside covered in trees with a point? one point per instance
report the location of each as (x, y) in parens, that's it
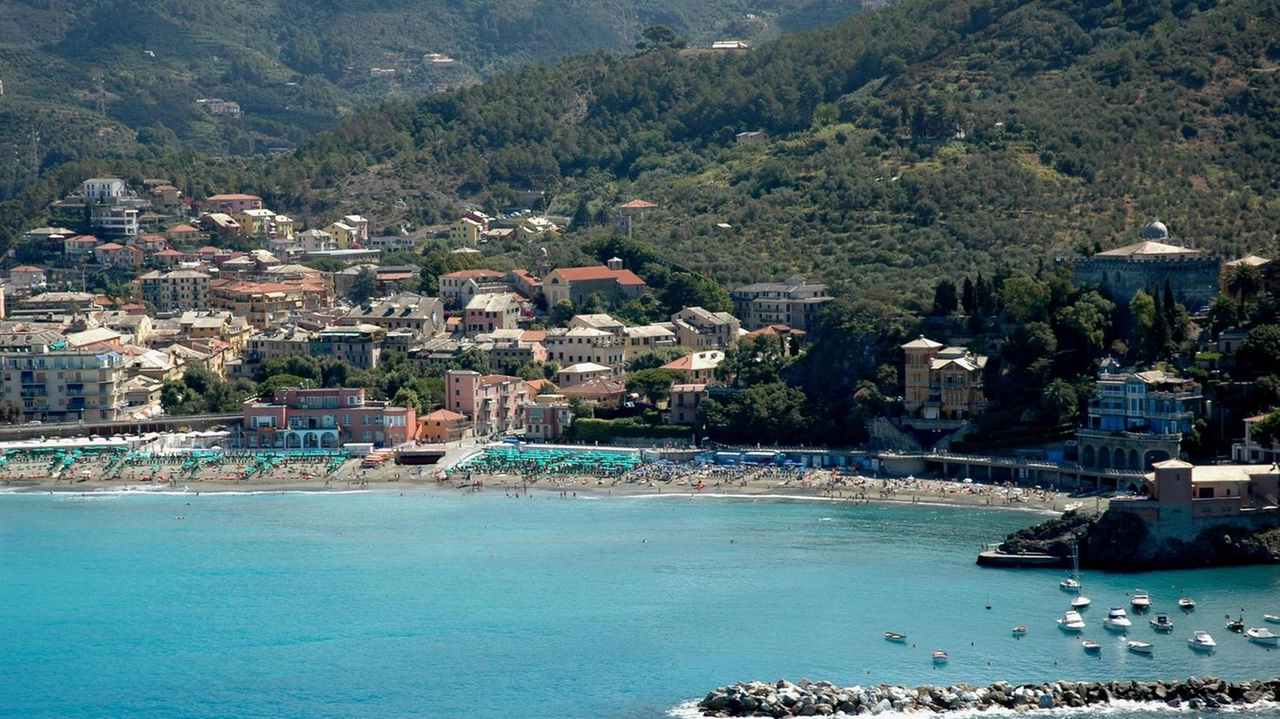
(119, 78)
(921, 139)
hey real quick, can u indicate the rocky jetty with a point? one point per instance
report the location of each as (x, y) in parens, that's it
(783, 698)
(1120, 541)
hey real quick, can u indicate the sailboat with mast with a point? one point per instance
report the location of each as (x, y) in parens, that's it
(1072, 583)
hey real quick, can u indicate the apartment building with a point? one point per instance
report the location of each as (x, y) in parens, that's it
(53, 383)
(493, 403)
(175, 290)
(324, 419)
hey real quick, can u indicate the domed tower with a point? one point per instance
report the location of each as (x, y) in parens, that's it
(543, 267)
(1155, 230)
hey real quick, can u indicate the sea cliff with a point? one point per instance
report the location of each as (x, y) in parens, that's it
(807, 698)
(1121, 541)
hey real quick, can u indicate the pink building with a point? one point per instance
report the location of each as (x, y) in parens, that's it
(493, 403)
(324, 419)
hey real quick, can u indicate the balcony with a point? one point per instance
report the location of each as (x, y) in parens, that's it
(1117, 433)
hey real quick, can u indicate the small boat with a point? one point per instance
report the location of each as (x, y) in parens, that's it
(1091, 646)
(1141, 601)
(1162, 623)
(1262, 635)
(1235, 625)
(1140, 647)
(1117, 620)
(1187, 604)
(1080, 602)
(1202, 641)
(1019, 630)
(940, 657)
(1072, 583)
(895, 637)
(1271, 618)
(1071, 622)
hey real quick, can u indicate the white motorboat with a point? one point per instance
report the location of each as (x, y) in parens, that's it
(1141, 600)
(1117, 620)
(1140, 647)
(1202, 641)
(1162, 623)
(1080, 602)
(1271, 618)
(1187, 604)
(1071, 622)
(1020, 630)
(940, 657)
(1069, 585)
(1262, 635)
(1091, 646)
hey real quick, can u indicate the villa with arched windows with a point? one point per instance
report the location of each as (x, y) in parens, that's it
(325, 418)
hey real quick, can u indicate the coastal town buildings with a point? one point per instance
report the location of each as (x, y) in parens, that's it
(1137, 418)
(423, 316)
(1180, 500)
(324, 418)
(175, 290)
(794, 302)
(51, 381)
(698, 328)
(442, 426)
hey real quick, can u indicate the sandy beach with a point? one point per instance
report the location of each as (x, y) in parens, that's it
(243, 473)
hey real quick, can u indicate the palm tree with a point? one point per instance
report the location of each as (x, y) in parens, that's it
(1243, 282)
(1222, 314)
(1059, 400)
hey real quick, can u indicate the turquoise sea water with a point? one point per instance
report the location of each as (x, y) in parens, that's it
(440, 605)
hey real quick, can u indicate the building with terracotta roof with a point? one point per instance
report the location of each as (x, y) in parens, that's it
(182, 233)
(25, 281)
(115, 255)
(1193, 275)
(699, 366)
(442, 426)
(232, 203)
(576, 284)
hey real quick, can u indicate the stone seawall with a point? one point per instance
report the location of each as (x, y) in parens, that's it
(783, 698)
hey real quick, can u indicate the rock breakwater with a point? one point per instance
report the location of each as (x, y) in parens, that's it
(783, 698)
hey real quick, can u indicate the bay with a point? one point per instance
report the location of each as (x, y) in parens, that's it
(448, 605)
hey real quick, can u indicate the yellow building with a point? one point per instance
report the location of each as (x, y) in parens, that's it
(343, 234)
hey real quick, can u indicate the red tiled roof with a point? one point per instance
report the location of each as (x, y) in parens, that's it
(25, 268)
(110, 246)
(183, 228)
(534, 336)
(168, 253)
(232, 197)
(442, 415)
(637, 205)
(776, 330)
(585, 274)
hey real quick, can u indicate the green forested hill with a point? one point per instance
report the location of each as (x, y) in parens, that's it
(926, 138)
(136, 67)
